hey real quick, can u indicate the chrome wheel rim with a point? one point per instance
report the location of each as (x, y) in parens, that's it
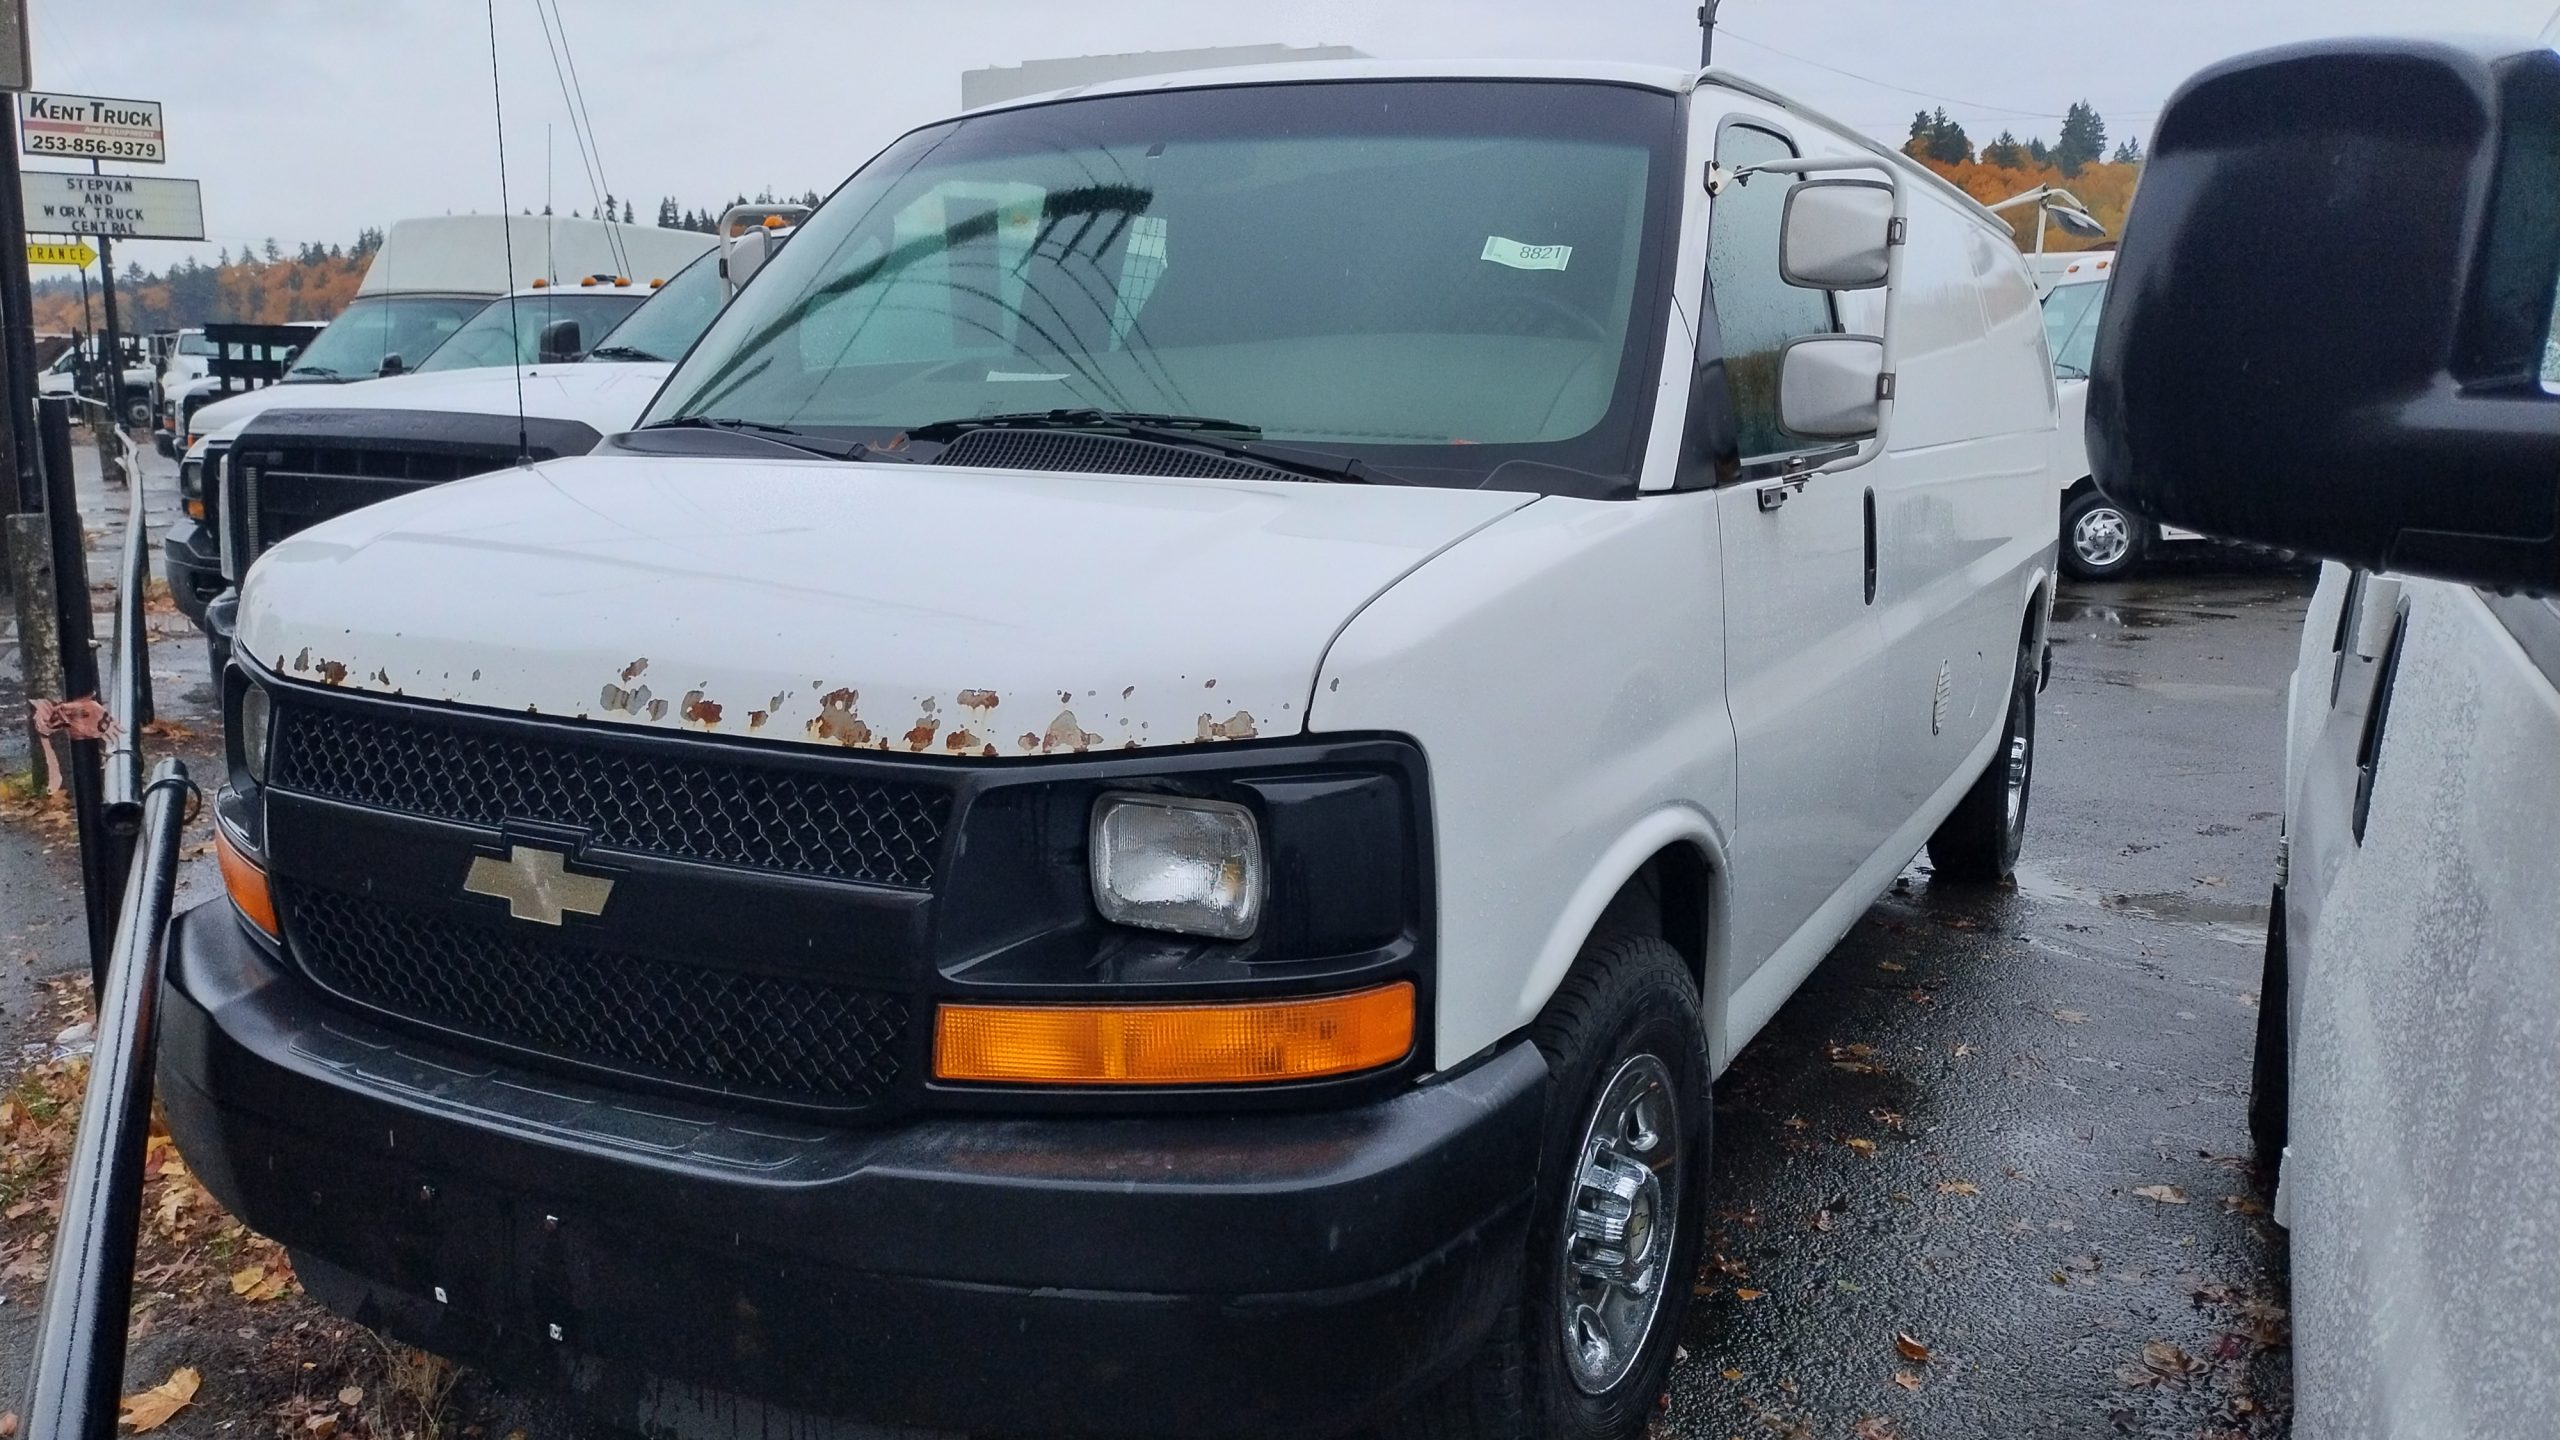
(1619, 1225)
(2102, 537)
(2021, 761)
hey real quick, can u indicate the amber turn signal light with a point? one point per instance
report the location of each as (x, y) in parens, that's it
(246, 883)
(1243, 1044)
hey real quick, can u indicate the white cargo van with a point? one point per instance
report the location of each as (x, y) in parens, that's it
(1149, 795)
(2101, 538)
(2409, 1015)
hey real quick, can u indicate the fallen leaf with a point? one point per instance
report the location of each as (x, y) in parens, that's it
(1958, 1187)
(1959, 922)
(8, 1424)
(1911, 1348)
(1798, 1122)
(1907, 1379)
(322, 1425)
(2072, 1017)
(352, 1396)
(2165, 1194)
(1822, 1221)
(1861, 1144)
(1874, 1427)
(152, 1408)
(2243, 1205)
(1891, 967)
(1740, 1294)
(1963, 1049)
(256, 1284)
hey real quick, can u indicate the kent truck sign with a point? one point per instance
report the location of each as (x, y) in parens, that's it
(91, 127)
(120, 207)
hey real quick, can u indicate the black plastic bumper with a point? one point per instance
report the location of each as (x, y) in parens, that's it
(1167, 1275)
(193, 561)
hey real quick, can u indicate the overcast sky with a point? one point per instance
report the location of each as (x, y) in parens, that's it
(309, 119)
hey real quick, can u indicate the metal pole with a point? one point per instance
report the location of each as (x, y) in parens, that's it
(88, 1293)
(1707, 34)
(17, 304)
(114, 387)
(83, 756)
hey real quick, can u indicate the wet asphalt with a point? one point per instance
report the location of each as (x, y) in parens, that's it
(2016, 1064)
(1945, 1134)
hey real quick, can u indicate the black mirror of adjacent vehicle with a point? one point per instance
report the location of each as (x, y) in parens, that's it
(559, 342)
(391, 365)
(2327, 326)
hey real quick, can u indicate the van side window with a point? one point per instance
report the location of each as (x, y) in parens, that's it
(1757, 310)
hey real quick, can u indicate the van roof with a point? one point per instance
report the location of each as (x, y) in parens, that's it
(2087, 268)
(1670, 79)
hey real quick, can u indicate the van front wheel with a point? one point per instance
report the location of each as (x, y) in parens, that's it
(1584, 1351)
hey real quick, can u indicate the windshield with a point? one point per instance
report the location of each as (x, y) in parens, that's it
(509, 331)
(1437, 277)
(2071, 327)
(372, 327)
(192, 342)
(674, 317)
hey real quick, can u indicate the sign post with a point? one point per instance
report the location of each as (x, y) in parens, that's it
(133, 207)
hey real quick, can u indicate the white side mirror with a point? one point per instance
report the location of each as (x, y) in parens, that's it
(745, 256)
(1828, 387)
(1837, 234)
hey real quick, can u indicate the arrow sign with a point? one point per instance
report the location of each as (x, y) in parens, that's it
(74, 254)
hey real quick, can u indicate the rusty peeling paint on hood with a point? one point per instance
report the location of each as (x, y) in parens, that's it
(816, 604)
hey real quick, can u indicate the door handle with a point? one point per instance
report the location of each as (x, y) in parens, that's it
(1779, 492)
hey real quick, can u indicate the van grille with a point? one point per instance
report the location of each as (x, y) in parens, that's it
(708, 805)
(723, 1030)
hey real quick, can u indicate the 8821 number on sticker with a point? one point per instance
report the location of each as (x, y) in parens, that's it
(93, 147)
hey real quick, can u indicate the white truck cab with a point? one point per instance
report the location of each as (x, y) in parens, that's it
(1149, 794)
(2101, 538)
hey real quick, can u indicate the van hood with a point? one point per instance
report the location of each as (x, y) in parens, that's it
(606, 396)
(903, 607)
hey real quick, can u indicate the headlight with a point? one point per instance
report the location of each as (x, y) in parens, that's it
(1193, 867)
(253, 731)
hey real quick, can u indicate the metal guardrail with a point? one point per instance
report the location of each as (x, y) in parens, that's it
(88, 1295)
(129, 834)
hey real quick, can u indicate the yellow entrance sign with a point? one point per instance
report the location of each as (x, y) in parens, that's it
(72, 254)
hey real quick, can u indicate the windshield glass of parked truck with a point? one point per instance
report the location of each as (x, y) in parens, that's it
(2071, 327)
(375, 326)
(1437, 277)
(674, 316)
(192, 342)
(509, 331)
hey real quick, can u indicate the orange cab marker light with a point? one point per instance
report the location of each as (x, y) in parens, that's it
(540, 284)
(1248, 1043)
(246, 883)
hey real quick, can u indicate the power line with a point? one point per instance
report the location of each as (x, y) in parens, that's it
(1728, 32)
(593, 143)
(596, 189)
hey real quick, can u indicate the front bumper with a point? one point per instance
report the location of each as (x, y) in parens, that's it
(193, 559)
(658, 1259)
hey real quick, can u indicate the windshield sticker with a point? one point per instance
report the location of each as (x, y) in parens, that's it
(1015, 377)
(1526, 257)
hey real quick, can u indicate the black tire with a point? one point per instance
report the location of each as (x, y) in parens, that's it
(2270, 1073)
(1980, 841)
(1629, 997)
(2101, 540)
(137, 414)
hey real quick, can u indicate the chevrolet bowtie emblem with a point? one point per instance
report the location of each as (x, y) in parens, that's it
(537, 885)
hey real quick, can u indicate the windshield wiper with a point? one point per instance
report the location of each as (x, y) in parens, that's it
(622, 352)
(781, 435)
(315, 372)
(1187, 430)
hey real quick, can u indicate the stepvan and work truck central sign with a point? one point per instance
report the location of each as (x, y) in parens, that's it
(92, 127)
(120, 207)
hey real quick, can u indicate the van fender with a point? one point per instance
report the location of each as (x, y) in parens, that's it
(1673, 824)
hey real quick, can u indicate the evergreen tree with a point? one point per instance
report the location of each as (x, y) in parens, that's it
(626, 213)
(2084, 139)
(274, 252)
(2129, 153)
(2005, 152)
(668, 217)
(2039, 152)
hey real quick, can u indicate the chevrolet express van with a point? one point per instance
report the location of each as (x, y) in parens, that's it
(1147, 798)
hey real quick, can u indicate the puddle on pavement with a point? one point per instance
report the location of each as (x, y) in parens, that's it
(2234, 922)
(2128, 617)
